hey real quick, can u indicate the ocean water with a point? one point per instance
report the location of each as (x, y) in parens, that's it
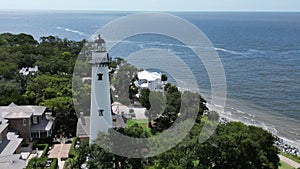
(260, 53)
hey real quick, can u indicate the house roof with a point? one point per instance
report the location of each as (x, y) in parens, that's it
(83, 126)
(12, 162)
(3, 124)
(12, 104)
(118, 121)
(14, 111)
(10, 145)
(45, 125)
(18, 115)
(149, 76)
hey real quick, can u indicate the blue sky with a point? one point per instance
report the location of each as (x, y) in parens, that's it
(154, 5)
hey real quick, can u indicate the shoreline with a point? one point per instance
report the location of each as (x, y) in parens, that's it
(283, 144)
(228, 116)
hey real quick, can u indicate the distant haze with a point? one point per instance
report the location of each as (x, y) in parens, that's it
(153, 5)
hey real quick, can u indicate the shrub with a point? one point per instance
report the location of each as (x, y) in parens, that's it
(72, 152)
(44, 147)
(54, 164)
(36, 163)
(45, 151)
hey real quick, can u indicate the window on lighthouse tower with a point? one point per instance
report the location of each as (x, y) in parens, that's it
(101, 112)
(100, 76)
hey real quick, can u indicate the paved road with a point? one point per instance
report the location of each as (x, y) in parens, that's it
(289, 161)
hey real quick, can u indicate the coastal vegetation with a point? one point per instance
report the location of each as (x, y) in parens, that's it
(290, 156)
(50, 86)
(232, 145)
(285, 166)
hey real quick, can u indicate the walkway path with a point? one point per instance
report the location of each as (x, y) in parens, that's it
(60, 151)
(289, 161)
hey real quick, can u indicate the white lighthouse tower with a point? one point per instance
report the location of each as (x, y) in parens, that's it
(100, 115)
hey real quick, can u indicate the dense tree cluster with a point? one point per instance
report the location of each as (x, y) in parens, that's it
(51, 86)
(165, 109)
(233, 145)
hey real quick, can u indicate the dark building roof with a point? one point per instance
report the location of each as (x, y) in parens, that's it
(10, 145)
(119, 121)
(83, 124)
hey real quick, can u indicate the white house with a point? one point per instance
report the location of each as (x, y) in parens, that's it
(150, 80)
(27, 70)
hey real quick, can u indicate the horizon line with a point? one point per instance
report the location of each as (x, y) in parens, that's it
(94, 10)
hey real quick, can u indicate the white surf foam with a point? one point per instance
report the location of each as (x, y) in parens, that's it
(230, 51)
(71, 30)
(248, 119)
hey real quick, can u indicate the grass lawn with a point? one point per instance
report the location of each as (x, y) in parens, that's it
(292, 157)
(285, 166)
(143, 123)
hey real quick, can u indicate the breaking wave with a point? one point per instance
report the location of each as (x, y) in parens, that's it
(72, 30)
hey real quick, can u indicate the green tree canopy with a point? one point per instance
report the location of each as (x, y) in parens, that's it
(10, 92)
(121, 81)
(45, 87)
(235, 145)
